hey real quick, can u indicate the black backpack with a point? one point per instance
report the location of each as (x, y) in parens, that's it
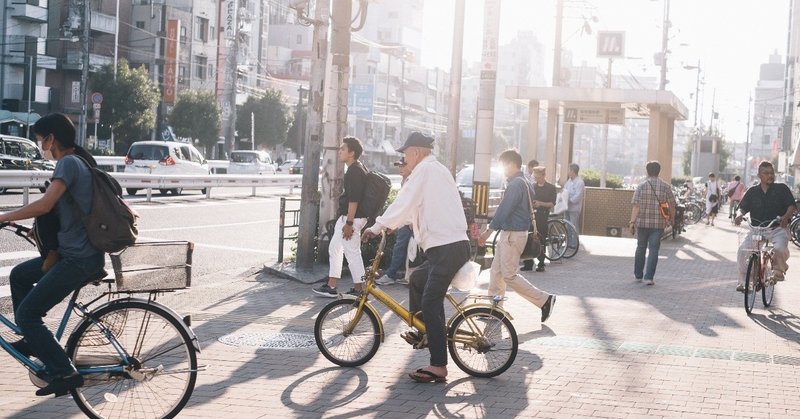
(110, 222)
(376, 192)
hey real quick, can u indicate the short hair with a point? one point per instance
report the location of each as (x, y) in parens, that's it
(712, 175)
(539, 170)
(737, 178)
(511, 156)
(574, 167)
(764, 164)
(533, 163)
(653, 168)
(354, 145)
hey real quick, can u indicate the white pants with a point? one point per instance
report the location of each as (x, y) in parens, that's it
(780, 240)
(351, 249)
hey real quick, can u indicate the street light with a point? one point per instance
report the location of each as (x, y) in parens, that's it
(697, 87)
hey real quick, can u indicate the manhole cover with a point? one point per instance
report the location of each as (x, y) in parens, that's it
(269, 340)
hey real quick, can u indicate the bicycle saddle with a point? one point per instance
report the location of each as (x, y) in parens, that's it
(98, 278)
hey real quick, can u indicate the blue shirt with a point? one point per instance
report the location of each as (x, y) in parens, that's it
(73, 241)
(513, 213)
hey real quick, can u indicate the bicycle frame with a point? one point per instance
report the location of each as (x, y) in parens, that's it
(370, 288)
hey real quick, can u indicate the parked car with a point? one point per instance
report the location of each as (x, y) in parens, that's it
(17, 153)
(244, 162)
(284, 167)
(297, 168)
(164, 158)
(496, 185)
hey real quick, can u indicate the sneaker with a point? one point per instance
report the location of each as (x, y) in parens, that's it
(740, 288)
(527, 265)
(650, 282)
(778, 276)
(325, 290)
(353, 293)
(639, 280)
(547, 308)
(385, 280)
(403, 281)
(60, 386)
(540, 268)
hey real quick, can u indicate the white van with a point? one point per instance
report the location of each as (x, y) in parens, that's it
(246, 162)
(164, 158)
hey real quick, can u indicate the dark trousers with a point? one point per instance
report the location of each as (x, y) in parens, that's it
(541, 225)
(31, 303)
(648, 240)
(427, 289)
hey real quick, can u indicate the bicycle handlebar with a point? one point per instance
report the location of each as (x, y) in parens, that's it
(18, 229)
(769, 224)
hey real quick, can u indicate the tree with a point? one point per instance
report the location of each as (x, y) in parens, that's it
(196, 115)
(292, 140)
(272, 117)
(128, 102)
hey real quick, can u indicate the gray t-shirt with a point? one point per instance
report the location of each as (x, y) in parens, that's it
(72, 238)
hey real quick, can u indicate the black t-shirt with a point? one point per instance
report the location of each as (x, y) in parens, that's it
(545, 193)
(355, 182)
(766, 206)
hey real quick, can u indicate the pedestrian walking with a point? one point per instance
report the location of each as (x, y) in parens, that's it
(576, 189)
(712, 198)
(345, 241)
(430, 202)
(653, 210)
(401, 238)
(512, 219)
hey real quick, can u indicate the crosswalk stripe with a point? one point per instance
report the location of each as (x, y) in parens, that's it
(5, 291)
(24, 254)
(5, 270)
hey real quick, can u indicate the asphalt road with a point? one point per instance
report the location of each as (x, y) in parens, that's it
(232, 231)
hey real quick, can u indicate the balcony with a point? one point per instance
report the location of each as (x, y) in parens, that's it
(74, 61)
(102, 22)
(31, 11)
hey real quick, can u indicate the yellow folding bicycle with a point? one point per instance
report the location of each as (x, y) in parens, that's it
(480, 337)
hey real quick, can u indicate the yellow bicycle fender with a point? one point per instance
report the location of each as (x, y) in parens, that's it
(471, 306)
(368, 306)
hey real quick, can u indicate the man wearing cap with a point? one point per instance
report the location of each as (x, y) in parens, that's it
(429, 202)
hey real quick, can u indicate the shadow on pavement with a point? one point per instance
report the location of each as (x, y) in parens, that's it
(780, 322)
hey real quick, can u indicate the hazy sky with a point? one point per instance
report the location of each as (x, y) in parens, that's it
(730, 38)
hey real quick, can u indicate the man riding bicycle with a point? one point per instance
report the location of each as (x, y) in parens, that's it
(765, 202)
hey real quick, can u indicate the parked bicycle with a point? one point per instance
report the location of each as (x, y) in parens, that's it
(759, 266)
(480, 337)
(138, 357)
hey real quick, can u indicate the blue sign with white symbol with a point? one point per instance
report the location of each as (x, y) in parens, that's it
(360, 99)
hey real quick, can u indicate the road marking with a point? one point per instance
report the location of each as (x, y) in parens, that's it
(5, 291)
(152, 230)
(24, 254)
(238, 249)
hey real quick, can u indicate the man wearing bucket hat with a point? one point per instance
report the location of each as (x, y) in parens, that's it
(428, 201)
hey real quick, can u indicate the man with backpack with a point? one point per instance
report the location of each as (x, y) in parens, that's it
(346, 238)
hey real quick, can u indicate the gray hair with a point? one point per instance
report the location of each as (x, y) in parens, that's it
(574, 167)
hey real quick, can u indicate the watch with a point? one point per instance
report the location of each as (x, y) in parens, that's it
(349, 222)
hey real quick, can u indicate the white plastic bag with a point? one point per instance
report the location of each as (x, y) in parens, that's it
(561, 202)
(466, 277)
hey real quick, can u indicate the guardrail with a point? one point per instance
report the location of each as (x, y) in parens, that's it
(26, 179)
(117, 162)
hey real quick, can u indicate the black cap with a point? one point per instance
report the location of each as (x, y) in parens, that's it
(417, 139)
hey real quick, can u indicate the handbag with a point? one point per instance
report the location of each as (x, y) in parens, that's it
(533, 246)
(663, 207)
(561, 202)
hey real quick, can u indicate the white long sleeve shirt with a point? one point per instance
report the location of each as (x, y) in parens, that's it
(430, 202)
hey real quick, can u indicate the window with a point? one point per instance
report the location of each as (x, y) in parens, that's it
(183, 33)
(181, 72)
(212, 32)
(200, 67)
(210, 70)
(139, 24)
(201, 29)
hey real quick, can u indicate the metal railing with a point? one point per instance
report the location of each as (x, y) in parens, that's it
(117, 162)
(294, 216)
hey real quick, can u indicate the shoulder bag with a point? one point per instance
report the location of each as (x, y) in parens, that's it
(663, 207)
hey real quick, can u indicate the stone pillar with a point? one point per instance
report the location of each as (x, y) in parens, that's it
(654, 134)
(550, 146)
(667, 148)
(565, 155)
(532, 151)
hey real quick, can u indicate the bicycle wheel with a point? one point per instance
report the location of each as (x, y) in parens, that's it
(690, 214)
(347, 349)
(573, 240)
(163, 362)
(794, 229)
(751, 282)
(768, 288)
(556, 240)
(482, 343)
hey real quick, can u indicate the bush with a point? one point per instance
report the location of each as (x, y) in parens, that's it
(680, 180)
(592, 178)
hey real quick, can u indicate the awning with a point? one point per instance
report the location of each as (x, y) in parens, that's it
(18, 117)
(388, 148)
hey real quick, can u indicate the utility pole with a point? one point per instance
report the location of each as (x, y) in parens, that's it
(552, 106)
(453, 127)
(336, 117)
(747, 142)
(713, 104)
(402, 92)
(116, 58)
(300, 124)
(87, 16)
(388, 80)
(30, 94)
(696, 93)
(664, 46)
(309, 208)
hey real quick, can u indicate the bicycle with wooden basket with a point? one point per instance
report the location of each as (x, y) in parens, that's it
(138, 357)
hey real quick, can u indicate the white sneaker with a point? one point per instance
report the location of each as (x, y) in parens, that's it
(385, 280)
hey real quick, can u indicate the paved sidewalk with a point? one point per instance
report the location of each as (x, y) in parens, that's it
(613, 348)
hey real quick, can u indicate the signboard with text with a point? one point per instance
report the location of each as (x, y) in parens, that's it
(360, 99)
(610, 44)
(594, 116)
(171, 60)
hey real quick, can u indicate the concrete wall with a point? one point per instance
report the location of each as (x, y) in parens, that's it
(604, 208)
